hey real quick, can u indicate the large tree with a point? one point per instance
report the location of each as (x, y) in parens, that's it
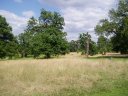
(116, 26)
(45, 35)
(7, 41)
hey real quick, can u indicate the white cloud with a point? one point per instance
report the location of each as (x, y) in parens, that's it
(28, 13)
(81, 15)
(18, 1)
(82, 21)
(18, 23)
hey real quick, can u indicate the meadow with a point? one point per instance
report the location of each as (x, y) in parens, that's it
(70, 75)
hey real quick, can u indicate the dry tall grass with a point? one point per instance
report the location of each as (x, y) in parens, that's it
(47, 77)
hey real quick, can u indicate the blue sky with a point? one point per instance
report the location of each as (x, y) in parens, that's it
(19, 6)
(80, 15)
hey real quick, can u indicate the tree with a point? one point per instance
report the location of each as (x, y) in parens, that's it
(30, 32)
(25, 39)
(87, 45)
(24, 48)
(93, 48)
(7, 40)
(74, 46)
(117, 26)
(51, 42)
(83, 41)
(51, 35)
(44, 36)
(102, 45)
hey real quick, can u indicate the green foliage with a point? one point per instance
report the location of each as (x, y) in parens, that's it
(25, 39)
(52, 19)
(24, 48)
(8, 43)
(74, 46)
(50, 42)
(83, 40)
(83, 44)
(93, 48)
(44, 36)
(104, 45)
(117, 26)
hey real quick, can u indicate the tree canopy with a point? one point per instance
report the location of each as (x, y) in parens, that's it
(45, 35)
(116, 26)
(7, 40)
(85, 40)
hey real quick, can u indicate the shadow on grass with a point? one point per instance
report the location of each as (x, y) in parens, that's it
(110, 57)
(28, 58)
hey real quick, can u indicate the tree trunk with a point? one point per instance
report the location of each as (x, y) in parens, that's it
(87, 52)
(47, 55)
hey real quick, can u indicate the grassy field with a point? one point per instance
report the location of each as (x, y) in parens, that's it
(70, 75)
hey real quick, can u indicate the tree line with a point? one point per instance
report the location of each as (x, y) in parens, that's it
(112, 33)
(116, 27)
(102, 46)
(45, 36)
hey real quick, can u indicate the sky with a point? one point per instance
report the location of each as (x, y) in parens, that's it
(80, 16)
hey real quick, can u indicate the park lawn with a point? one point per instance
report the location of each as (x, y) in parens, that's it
(70, 75)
